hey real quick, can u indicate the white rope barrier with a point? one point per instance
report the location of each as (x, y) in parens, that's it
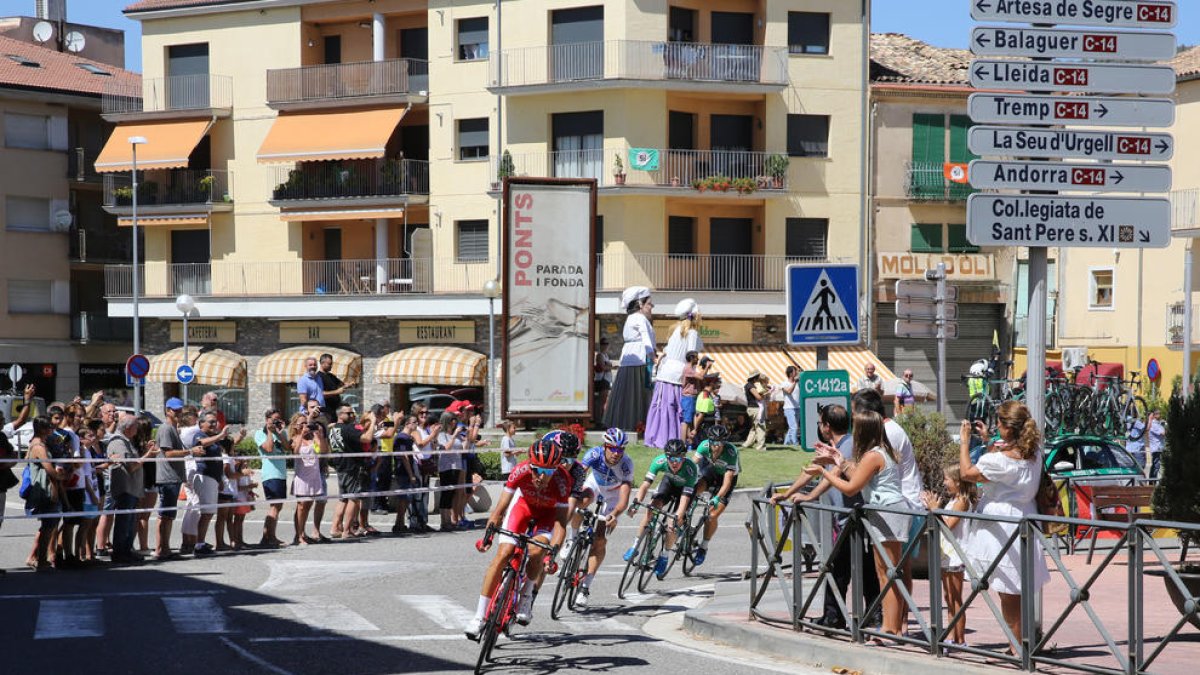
(215, 458)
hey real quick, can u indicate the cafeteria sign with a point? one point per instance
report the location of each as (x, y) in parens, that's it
(643, 159)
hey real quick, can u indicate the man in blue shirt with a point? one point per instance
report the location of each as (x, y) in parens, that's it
(309, 385)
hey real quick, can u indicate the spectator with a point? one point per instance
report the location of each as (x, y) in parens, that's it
(347, 436)
(693, 381)
(245, 493)
(791, 405)
(407, 476)
(1011, 473)
(309, 387)
(44, 494)
(226, 496)
(317, 416)
(665, 414)
(706, 400)
(332, 387)
(149, 491)
(64, 444)
(204, 484)
(170, 475)
(602, 368)
(308, 440)
(127, 484)
(18, 431)
(1156, 435)
(272, 439)
(450, 442)
(381, 475)
(471, 466)
(425, 441)
(869, 380)
(905, 396)
(108, 415)
(509, 452)
(94, 496)
(210, 403)
(629, 399)
(757, 395)
(8, 479)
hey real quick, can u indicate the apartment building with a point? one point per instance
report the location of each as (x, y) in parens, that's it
(55, 237)
(324, 176)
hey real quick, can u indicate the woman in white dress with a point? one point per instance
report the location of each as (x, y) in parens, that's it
(630, 397)
(664, 417)
(1010, 472)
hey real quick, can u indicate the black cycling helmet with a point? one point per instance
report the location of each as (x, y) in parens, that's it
(717, 433)
(569, 443)
(675, 448)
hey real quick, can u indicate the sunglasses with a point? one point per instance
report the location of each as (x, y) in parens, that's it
(544, 471)
(674, 460)
(614, 450)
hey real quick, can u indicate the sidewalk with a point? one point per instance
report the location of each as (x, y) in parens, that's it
(727, 619)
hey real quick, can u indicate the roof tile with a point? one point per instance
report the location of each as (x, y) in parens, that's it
(150, 5)
(55, 71)
(907, 59)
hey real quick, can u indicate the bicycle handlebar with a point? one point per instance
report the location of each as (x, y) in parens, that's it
(482, 544)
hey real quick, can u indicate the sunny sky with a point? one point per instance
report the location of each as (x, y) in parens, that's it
(945, 23)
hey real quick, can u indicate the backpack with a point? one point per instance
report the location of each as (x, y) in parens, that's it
(26, 482)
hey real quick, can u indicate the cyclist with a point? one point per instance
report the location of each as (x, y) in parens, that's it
(717, 460)
(611, 478)
(678, 483)
(544, 489)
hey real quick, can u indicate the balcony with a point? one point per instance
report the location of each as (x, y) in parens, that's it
(1175, 324)
(81, 166)
(1185, 209)
(90, 246)
(367, 180)
(926, 181)
(93, 327)
(168, 97)
(696, 272)
(397, 81)
(682, 173)
(677, 66)
(169, 191)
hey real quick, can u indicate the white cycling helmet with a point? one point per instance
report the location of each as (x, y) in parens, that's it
(979, 368)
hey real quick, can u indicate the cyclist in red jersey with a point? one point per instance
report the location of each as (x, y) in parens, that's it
(544, 488)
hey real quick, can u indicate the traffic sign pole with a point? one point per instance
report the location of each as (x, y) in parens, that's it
(183, 386)
(940, 277)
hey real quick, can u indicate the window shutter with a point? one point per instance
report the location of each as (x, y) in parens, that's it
(926, 238)
(681, 236)
(29, 297)
(958, 240)
(807, 238)
(57, 133)
(960, 125)
(26, 131)
(929, 138)
(60, 297)
(27, 213)
(472, 241)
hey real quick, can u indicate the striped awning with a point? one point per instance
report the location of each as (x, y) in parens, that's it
(340, 214)
(735, 362)
(451, 366)
(213, 367)
(168, 145)
(164, 220)
(287, 365)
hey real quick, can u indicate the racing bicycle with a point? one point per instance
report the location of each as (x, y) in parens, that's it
(688, 540)
(653, 544)
(502, 608)
(572, 572)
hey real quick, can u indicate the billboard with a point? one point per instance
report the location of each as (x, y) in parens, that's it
(549, 296)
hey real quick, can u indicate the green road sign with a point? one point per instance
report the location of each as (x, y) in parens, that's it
(820, 388)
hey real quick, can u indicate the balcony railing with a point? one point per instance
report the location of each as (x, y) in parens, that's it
(927, 181)
(168, 187)
(99, 246)
(699, 170)
(638, 60)
(167, 94)
(696, 272)
(1185, 207)
(346, 180)
(81, 165)
(1175, 323)
(347, 80)
(92, 327)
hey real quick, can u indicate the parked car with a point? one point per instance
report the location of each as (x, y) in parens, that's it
(1089, 456)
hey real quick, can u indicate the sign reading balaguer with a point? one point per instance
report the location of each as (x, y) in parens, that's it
(549, 292)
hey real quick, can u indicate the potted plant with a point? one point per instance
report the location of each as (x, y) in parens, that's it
(503, 170)
(206, 186)
(743, 185)
(777, 167)
(933, 449)
(720, 183)
(674, 181)
(123, 196)
(1176, 498)
(699, 185)
(618, 170)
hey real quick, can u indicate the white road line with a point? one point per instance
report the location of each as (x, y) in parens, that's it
(115, 594)
(252, 658)
(296, 575)
(582, 623)
(196, 615)
(69, 619)
(330, 616)
(367, 638)
(440, 609)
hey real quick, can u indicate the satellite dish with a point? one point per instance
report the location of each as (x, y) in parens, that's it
(63, 220)
(75, 41)
(43, 31)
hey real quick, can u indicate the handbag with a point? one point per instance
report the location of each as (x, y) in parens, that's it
(1049, 504)
(26, 482)
(8, 480)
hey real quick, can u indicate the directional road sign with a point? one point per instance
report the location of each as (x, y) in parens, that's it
(916, 289)
(1055, 43)
(819, 388)
(1093, 111)
(1047, 220)
(924, 329)
(1070, 143)
(185, 374)
(995, 175)
(822, 304)
(15, 373)
(1100, 78)
(137, 366)
(924, 310)
(1109, 13)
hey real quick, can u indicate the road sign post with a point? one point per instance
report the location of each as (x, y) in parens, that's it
(819, 388)
(929, 309)
(1096, 78)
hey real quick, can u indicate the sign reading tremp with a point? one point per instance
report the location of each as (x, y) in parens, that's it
(1110, 13)
(1070, 143)
(1092, 111)
(1046, 220)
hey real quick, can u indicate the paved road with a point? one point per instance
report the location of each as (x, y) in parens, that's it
(385, 605)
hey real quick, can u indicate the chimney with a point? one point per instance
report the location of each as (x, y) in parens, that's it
(52, 10)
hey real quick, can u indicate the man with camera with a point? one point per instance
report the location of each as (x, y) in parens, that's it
(272, 439)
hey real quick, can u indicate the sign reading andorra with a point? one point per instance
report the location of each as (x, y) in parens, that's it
(549, 292)
(1016, 175)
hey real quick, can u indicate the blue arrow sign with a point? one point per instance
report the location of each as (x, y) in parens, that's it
(185, 374)
(822, 304)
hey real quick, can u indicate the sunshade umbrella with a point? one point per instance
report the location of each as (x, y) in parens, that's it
(920, 391)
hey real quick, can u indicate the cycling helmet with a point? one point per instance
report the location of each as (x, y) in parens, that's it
(717, 433)
(545, 453)
(615, 438)
(675, 448)
(979, 368)
(569, 443)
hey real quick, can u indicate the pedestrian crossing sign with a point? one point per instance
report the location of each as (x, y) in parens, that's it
(822, 303)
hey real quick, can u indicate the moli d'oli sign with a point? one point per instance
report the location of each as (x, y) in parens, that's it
(712, 331)
(437, 332)
(205, 331)
(961, 266)
(303, 332)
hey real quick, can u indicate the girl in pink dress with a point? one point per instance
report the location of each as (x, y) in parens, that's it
(308, 439)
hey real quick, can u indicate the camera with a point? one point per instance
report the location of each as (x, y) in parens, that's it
(313, 426)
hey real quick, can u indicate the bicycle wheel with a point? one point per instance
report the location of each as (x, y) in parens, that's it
(582, 557)
(1132, 412)
(492, 626)
(1054, 414)
(654, 546)
(693, 535)
(562, 587)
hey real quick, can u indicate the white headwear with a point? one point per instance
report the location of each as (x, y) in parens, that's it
(686, 307)
(979, 368)
(634, 293)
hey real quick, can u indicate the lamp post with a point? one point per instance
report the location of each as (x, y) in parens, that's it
(185, 303)
(491, 291)
(135, 141)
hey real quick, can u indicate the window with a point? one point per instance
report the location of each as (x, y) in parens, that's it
(30, 297)
(473, 39)
(929, 138)
(808, 33)
(807, 238)
(681, 236)
(472, 241)
(578, 144)
(958, 240)
(926, 238)
(960, 125)
(31, 214)
(808, 135)
(31, 132)
(473, 138)
(95, 70)
(1100, 295)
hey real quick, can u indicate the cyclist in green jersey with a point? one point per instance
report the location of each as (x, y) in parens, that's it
(680, 476)
(719, 465)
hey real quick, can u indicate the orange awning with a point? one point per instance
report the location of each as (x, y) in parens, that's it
(167, 146)
(320, 136)
(343, 214)
(735, 362)
(158, 220)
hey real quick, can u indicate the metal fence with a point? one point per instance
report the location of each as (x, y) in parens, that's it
(168, 187)
(347, 80)
(89, 327)
(81, 165)
(93, 245)
(673, 168)
(638, 60)
(927, 180)
(341, 180)
(1175, 323)
(1185, 209)
(792, 565)
(697, 272)
(164, 94)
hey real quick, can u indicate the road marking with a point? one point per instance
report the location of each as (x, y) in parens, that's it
(196, 615)
(294, 575)
(252, 658)
(439, 609)
(330, 616)
(582, 623)
(368, 638)
(115, 594)
(69, 619)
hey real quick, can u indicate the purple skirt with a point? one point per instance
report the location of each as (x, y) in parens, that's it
(662, 421)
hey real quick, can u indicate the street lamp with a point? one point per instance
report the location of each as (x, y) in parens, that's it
(135, 141)
(185, 303)
(491, 291)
